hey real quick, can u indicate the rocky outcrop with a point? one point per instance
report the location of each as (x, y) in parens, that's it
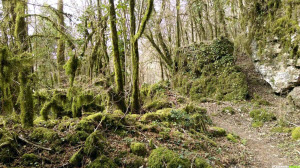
(276, 66)
(294, 97)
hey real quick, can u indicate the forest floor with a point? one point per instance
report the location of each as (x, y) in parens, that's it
(267, 147)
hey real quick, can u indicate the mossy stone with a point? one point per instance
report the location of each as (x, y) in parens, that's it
(138, 148)
(201, 163)
(232, 138)
(44, 135)
(76, 159)
(157, 105)
(95, 144)
(162, 157)
(133, 161)
(8, 151)
(30, 159)
(102, 162)
(296, 133)
(131, 119)
(159, 115)
(79, 136)
(217, 131)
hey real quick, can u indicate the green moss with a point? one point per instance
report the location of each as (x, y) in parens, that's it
(30, 159)
(25, 99)
(138, 148)
(232, 138)
(63, 126)
(45, 110)
(5, 78)
(152, 127)
(179, 162)
(217, 131)
(164, 135)
(157, 105)
(281, 129)
(260, 116)
(257, 124)
(9, 147)
(163, 157)
(76, 159)
(228, 110)
(158, 89)
(257, 100)
(76, 138)
(201, 163)
(151, 144)
(160, 115)
(296, 133)
(44, 135)
(71, 67)
(131, 119)
(88, 123)
(133, 161)
(102, 162)
(191, 108)
(95, 144)
(42, 123)
(211, 72)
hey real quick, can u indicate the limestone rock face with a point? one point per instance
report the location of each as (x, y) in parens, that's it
(275, 66)
(294, 96)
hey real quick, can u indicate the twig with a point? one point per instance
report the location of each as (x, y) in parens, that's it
(33, 144)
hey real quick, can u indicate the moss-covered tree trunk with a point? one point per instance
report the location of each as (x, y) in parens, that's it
(25, 99)
(25, 96)
(177, 34)
(135, 105)
(117, 60)
(61, 42)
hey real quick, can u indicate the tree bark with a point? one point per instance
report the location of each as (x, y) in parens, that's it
(61, 42)
(135, 105)
(120, 99)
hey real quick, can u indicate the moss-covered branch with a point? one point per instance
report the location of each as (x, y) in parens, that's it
(63, 34)
(144, 20)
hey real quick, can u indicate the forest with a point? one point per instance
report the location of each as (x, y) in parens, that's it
(150, 83)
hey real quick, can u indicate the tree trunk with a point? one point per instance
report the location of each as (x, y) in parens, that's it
(177, 34)
(61, 42)
(120, 99)
(135, 105)
(25, 96)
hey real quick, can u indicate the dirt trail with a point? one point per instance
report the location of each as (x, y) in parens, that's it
(263, 148)
(262, 145)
